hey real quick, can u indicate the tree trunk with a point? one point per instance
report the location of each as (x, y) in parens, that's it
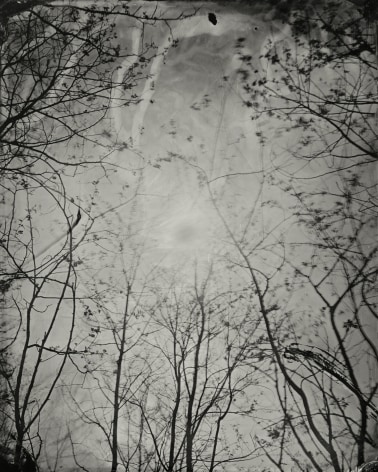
(114, 445)
(18, 453)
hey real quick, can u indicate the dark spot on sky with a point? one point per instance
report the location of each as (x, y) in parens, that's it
(213, 18)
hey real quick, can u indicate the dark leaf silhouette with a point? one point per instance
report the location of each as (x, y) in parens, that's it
(213, 18)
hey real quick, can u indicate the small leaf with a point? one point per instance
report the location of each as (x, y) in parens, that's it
(213, 18)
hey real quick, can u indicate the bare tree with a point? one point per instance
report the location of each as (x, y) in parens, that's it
(57, 85)
(62, 75)
(40, 295)
(318, 77)
(114, 365)
(199, 382)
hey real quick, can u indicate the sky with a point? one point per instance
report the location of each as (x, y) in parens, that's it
(192, 124)
(193, 161)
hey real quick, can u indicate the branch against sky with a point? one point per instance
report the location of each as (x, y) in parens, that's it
(36, 301)
(114, 366)
(58, 85)
(322, 277)
(304, 259)
(319, 272)
(319, 76)
(199, 385)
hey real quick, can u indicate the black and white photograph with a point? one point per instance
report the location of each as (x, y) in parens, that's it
(188, 236)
